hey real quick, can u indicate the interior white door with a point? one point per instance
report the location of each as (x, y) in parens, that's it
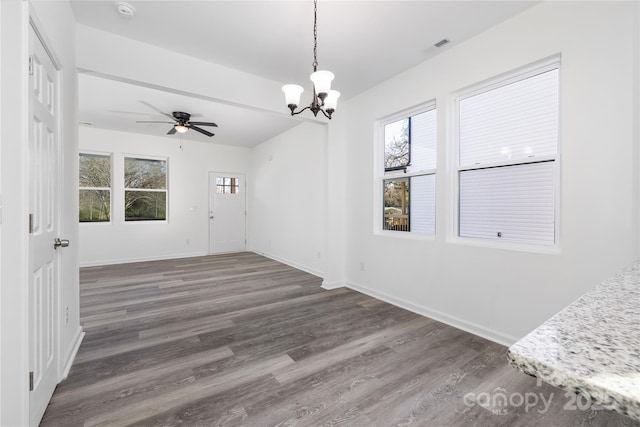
(227, 215)
(43, 208)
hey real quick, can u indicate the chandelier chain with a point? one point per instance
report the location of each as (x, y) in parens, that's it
(315, 35)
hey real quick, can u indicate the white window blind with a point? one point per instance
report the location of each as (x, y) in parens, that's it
(423, 141)
(515, 121)
(423, 204)
(511, 203)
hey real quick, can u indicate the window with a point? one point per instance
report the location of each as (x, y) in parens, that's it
(508, 156)
(226, 185)
(409, 181)
(145, 189)
(94, 188)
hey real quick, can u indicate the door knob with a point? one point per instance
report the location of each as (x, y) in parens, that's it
(58, 243)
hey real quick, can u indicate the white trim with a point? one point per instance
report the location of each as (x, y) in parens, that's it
(290, 263)
(333, 285)
(472, 328)
(71, 353)
(142, 259)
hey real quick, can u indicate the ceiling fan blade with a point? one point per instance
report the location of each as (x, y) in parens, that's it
(204, 124)
(171, 131)
(202, 131)
(155, 109)
(150, 121)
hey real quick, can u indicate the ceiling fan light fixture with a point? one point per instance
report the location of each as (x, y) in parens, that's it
(324, 100)
(181, 128)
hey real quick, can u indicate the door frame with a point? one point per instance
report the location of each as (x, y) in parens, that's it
(210, 190)
(14, 298)
(59, 363)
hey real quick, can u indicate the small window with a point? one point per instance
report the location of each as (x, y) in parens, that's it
(396, 145)
(227, 185)
(145, 189)
(408, 181)
(94, 188)
(508, 157)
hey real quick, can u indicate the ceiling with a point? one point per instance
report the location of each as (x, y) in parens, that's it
(362, 42)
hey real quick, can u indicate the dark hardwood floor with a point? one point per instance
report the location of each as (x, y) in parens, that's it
(241, 340)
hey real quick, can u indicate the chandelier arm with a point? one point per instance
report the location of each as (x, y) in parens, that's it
(295, 113)
(328, 116)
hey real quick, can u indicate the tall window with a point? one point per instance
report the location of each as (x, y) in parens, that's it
(409, 179)
(508, 155)
(145, 189)
(95, 188)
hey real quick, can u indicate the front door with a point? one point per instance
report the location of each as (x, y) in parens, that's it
(43, 226)
(227, 225)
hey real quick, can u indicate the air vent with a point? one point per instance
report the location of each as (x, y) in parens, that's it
(441, 43)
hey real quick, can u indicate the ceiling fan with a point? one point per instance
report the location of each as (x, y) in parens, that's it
(181, 123)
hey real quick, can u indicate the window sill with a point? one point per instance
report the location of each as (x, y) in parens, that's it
(505, 245)
(405, 235)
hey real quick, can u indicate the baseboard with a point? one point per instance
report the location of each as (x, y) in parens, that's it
(332, 285)
(73, 350)
(141, 259)
(289, 263)
(490, 334)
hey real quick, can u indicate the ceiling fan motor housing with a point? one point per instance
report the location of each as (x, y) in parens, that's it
(181, 116)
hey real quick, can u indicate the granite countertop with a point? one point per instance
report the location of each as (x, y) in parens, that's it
(592, 346)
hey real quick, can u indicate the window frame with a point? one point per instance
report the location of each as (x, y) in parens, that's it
(453, 154)
(122, 201)
(382, 174)
(110, 189)
(234, 186)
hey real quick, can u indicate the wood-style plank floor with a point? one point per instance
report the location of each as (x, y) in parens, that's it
(241, 340)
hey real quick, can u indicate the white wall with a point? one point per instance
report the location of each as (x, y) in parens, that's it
(288, 198)
(503, 294)
(186, 231)
(56, 21)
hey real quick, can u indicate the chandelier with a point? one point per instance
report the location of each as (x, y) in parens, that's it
(324, 100)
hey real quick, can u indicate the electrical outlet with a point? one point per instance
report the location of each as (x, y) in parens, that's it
(361, 265)
(66, 315)
(188, 242)
(319, 255)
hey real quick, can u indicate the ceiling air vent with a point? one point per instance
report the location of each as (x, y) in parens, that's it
(441, 43)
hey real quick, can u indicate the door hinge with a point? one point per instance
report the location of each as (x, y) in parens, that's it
(30, 223)
(31, 66)
(31, 381)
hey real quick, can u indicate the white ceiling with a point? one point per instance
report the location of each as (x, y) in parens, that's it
(362, 42)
